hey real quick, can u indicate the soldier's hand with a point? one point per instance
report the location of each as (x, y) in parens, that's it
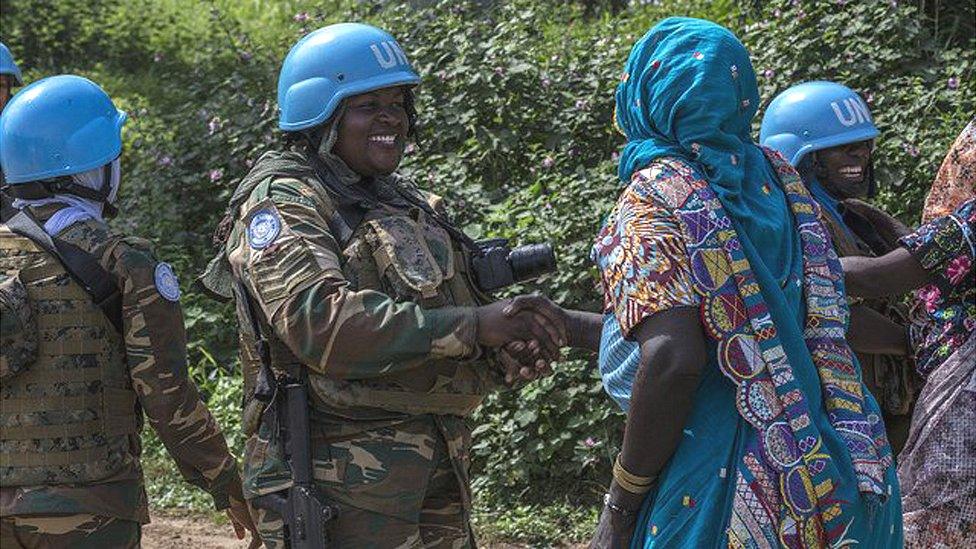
(547, 314)
(518, 361)
(496, 328)
(240, 516)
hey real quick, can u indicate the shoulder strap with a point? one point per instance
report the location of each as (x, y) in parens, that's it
(81, 265)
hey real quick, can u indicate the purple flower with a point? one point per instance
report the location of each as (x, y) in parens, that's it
(912, 150)
(590, 442)
(953, 83)
(246, 56)
(214, 125)
(165, 161)
(409, 148)
(216, 175)
(499, 71)
(870, 98)
(158, 56)
(301, 17)
(442, 75)
(769, 73)
(777, 13)
(548, 162)
(615, 156)
(546, 82)
(582, 104)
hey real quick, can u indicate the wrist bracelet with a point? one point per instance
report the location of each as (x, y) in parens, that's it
(614, 508)
(634, 484)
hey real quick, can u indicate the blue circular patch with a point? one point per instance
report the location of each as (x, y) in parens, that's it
(263, 230)
(167, 284)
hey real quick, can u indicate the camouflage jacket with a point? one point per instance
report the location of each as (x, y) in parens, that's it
(391, 310)
(155, 355)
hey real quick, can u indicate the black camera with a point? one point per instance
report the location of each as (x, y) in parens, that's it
(499, 266)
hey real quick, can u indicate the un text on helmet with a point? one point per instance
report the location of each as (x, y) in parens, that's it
(390, 56)
(857, 111)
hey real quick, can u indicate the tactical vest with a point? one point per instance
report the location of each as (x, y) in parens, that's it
(68, 418)
(403, 253)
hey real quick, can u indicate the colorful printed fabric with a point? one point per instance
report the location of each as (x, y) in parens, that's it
(956, 181)
(944, 247)
(796, 475)
(642, 256)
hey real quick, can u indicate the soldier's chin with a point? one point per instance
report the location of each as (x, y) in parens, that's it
(386, 166)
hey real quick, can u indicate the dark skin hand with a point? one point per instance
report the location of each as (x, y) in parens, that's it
(578, 329)
(870, 332)
(672, 353)
(240, 517)
(895, 273)
(843, 170)
(541, 330)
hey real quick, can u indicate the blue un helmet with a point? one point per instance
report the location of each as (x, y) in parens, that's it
(334, 63)
(814, 116)
(8, 66)
(58, 126)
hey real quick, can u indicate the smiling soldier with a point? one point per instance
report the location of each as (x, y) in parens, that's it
(353, 282)
(825, 130)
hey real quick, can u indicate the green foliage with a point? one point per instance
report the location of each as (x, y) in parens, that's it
(516, 111)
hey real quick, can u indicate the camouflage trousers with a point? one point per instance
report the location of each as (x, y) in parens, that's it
(68, 531)
(396, 487)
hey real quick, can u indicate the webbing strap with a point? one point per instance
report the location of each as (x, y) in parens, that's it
(72, 320)
(63, 347)
(38, 272)
(52, 459)
(47, 404)
(411, 402)
(110, 426)
(52, 292)
(81, 265)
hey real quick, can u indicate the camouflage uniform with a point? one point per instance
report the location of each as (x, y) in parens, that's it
(385, 324)
(70, 423)
(892, 382)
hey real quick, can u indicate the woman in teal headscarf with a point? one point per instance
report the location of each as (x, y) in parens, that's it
(749, 425)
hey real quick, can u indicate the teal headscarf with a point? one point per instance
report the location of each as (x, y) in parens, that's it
(689, 91)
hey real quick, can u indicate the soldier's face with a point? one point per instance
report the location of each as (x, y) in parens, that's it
(843, 170)
(373, 132)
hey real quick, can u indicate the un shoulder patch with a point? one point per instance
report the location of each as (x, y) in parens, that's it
(166, 282)
(264, 229)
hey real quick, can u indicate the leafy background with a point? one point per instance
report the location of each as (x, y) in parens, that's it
(516, 106)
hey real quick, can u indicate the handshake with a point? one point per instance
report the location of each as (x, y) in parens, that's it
(529, 332)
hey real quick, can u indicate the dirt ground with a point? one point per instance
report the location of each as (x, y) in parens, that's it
(178, 531)
(172, 531)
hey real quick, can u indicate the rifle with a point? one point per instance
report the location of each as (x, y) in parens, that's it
(302, 507)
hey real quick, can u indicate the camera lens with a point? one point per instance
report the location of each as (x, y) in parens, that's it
(532, 261)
